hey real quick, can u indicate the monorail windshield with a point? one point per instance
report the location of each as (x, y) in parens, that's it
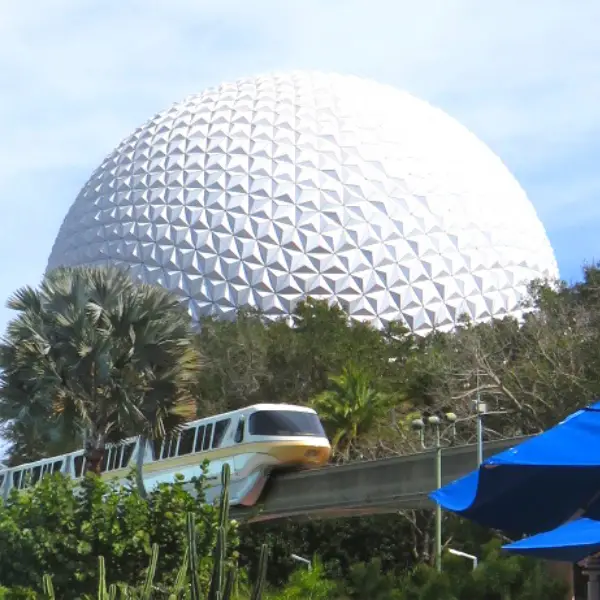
(285, 423)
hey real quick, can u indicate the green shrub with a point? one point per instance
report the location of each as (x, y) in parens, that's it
(190, 582)
(50, 528)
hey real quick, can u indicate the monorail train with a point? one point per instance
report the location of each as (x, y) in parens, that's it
(255, 441)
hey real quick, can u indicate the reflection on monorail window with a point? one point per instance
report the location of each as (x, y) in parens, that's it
(285, 423)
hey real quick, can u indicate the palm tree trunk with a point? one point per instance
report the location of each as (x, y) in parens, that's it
(93, 459)
(95, 448)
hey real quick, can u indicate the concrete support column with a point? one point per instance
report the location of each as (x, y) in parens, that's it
(592, 571)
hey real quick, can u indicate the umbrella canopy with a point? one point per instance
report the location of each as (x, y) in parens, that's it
(571, 542)
(536, 485)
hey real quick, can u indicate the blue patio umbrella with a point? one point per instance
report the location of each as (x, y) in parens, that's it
(536, 485)
(571, 542)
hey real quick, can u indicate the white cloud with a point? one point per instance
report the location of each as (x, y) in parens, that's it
(509, 70)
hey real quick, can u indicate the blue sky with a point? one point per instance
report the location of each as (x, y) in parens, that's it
(78, 76)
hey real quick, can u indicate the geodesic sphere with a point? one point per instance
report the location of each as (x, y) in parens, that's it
(266, 190)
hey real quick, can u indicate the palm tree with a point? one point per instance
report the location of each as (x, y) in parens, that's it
(349, 408)
(93, 357)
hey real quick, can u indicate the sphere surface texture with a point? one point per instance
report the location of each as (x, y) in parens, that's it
(269, 189)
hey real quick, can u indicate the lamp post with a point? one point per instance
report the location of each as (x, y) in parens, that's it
(480, 411)
(481, 408)
(419, 425)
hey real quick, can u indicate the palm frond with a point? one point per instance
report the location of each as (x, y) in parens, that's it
(92, 349)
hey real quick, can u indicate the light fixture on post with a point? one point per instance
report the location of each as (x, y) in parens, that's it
(419, 425)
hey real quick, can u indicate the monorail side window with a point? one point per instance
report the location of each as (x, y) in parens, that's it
(169, 447)
(156, 447)
(199, 439)
(162, 449)
(220, 429)
(285, 423)
(78, 462)
(112, 460)
(239, 432)
(207, 437)
(186, 443)
(126, 453)
(35, 475)
(115, 457)
(105, 457)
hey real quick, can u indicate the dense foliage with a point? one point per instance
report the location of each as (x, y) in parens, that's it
(49, 529)
(191, 581)
(109, 542)
(366, 384)
(498, 578)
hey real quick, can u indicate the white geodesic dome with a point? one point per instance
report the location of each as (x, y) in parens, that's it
(268, 189)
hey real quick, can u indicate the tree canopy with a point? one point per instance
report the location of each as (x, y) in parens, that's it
(93, 357)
